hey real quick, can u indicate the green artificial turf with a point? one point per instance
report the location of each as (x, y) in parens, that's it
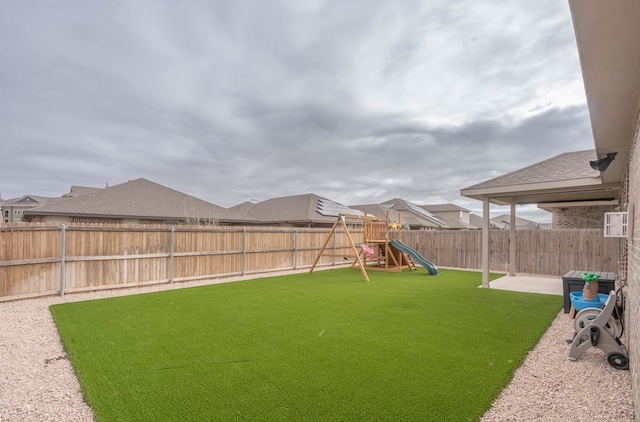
(322, 347)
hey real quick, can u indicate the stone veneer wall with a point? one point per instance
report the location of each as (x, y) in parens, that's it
(631, 197)
(580, 217)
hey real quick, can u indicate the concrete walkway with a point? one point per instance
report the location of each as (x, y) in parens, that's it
(530, 284)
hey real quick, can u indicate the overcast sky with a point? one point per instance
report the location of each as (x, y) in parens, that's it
(356, 101)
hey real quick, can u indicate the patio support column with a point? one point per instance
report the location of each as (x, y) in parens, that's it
(512, 240)
(485, 242)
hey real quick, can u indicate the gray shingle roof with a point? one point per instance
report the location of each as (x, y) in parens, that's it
(79, 190)
(138, 198)
(32, 200)
(378, 210)
(413, 215)
(566, 166)
(297, 209)
(455, 224)
(443, 207)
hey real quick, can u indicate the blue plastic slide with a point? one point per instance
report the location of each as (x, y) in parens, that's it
(430, 266)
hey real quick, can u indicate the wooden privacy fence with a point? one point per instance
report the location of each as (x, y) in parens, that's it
(38, 260)
(541, 252)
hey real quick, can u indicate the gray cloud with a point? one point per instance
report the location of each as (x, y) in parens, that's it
(227, 101)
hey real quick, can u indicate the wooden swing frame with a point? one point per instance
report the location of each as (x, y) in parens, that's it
(341, 220)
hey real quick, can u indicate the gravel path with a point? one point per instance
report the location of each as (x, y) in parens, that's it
(37, 382)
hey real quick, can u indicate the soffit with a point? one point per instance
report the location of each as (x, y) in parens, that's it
(608, 36)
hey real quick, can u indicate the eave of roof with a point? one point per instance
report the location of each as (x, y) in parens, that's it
(608, 35)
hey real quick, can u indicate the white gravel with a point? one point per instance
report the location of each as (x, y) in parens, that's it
(37, 382)
(550, 387)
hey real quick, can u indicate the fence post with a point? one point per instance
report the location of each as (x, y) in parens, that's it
(171, 263)
(244, 250)
(334, 249)
(63, 231)
(295, 249)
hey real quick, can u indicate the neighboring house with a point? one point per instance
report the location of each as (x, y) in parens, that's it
(243, 208)
(503, 222)
(454, 216)
(306, 210)
(416, 217)
(13, 210)
(421, 217)
(476, 220)
(380, 211)
(135, 202)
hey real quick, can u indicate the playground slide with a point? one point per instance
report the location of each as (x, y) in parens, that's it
(430, 266)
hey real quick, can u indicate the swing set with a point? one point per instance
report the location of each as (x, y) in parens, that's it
(381, 248)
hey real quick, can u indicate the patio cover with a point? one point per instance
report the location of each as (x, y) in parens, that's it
(567, 177)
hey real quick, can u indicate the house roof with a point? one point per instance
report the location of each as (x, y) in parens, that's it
(296, 209)
(502, 222)
(31, 200)
(456, 224)
(138, 198)
(608, 35)
(79, 190)
(378, 210)
(449, 208)
(413, 215)
(443, 208)
(243, 208)
(565, 177)
(476, 220)
(410, 218)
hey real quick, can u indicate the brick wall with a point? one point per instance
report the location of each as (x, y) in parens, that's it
(631, 198)
(580, 217)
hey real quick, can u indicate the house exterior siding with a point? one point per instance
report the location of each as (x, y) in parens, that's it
(633, 266)
(580, 217)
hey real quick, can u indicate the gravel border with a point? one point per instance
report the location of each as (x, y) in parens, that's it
(38, 382)
(550, 387)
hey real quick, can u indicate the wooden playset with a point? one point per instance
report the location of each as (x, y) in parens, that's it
(381, 249)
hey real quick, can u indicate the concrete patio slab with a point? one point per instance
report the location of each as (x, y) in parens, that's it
(529, 284)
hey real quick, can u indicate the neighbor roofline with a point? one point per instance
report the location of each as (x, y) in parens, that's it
(117, 216)
(35, 212)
